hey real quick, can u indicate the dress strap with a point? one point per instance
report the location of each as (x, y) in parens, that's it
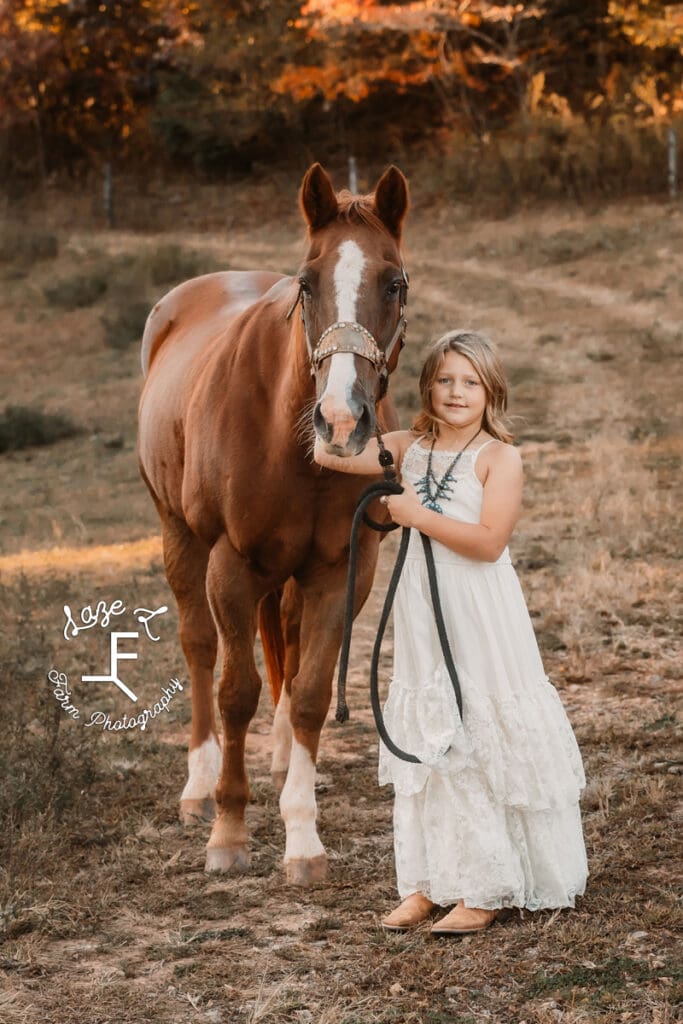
(407, 453)
(480, 449)
(414, 444)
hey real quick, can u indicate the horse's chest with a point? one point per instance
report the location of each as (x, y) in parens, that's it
(268, 524)
(289, 530)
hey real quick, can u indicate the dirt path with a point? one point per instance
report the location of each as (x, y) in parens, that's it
(611, 302)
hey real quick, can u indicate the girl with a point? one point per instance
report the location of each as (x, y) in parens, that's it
(491, 818)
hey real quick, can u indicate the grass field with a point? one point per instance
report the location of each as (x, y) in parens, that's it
(105, 912)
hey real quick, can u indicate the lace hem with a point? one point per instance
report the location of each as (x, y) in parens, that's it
(453, 841)
(532, 901)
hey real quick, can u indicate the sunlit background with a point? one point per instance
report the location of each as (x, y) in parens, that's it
(547, 98)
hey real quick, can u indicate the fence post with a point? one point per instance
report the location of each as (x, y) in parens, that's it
(353, 175)
(108, 195)
(673, 176)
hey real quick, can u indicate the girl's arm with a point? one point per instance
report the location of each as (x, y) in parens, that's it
(367, 462)
(485, 540)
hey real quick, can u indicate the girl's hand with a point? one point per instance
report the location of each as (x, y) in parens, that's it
(366, 462)
(405, 509)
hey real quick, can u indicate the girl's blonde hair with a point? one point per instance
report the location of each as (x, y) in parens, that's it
(484, 358)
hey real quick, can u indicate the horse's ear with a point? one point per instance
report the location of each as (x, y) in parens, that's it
(317, 198)
(391, 200)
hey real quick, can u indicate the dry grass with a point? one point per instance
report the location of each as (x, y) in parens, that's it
(105, 911)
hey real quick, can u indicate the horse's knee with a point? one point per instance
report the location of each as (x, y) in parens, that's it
(199, 641)
(309, 707)
(238, 696)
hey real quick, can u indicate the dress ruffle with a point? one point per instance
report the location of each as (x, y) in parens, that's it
(495, 738)
(453, 842)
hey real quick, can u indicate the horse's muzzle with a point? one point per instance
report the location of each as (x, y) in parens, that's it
(345, 433)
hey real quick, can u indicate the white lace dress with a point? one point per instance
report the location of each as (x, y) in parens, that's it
(492, 816)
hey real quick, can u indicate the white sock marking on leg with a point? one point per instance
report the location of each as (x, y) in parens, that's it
(282, 734)
(204, 766)
(298, 806)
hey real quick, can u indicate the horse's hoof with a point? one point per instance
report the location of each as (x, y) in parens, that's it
(301, 871)
(278, 779)
(194, 812)
(227, 858)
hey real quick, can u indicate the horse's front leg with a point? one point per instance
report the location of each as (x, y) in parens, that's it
(234, 593)
(320, 639)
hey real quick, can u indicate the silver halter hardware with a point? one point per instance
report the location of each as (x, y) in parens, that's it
(366, 348)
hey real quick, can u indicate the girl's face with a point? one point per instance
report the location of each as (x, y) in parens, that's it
(458, 394)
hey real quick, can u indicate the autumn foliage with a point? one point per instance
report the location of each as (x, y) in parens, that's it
(223, 87)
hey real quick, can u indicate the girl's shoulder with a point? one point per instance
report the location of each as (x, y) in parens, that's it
(500, 450)
(497, 457)
(401, 440)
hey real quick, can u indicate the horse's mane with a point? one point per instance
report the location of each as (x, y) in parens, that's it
(358, 210)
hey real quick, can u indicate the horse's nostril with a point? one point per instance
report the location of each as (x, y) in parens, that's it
(322, 428)
(364, 425)
(365, 420)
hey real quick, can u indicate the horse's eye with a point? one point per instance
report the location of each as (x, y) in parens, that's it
(305, 286)
(393, 288)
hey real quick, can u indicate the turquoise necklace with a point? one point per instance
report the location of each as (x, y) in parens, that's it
(432, 490)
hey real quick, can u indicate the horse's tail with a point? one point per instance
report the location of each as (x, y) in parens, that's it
(270, 627)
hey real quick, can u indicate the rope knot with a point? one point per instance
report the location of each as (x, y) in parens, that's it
(342, 713)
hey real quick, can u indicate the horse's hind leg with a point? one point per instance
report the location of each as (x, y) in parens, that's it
(185, 561)
(291, 606)
(234, 593)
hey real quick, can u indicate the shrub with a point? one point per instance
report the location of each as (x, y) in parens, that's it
(171, 264)
(126, 325)
(77, 291)
(134, 284)
(22, 427)
(19, 245)
(550, 157)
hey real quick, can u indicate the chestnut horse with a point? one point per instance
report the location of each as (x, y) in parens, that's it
(254, 533)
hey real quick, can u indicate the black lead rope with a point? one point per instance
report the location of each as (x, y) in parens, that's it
(389, 486)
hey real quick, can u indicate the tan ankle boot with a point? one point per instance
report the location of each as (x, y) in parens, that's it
(415, 909)
(462, 920)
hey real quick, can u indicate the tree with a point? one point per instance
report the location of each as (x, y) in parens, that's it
(217, 112)
(85, 72)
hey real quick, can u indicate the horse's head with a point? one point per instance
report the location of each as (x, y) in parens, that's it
(353, 288)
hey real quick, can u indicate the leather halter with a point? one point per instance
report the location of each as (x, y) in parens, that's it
(365, 345)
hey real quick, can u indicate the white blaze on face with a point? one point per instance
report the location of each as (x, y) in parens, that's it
(348, 275)
(298, 807)
(334, 406)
